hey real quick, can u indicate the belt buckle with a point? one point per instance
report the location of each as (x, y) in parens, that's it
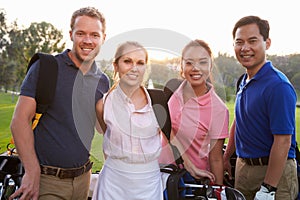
(66, 173)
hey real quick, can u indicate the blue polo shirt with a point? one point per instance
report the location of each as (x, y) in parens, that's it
(265, 106)
(64, 134)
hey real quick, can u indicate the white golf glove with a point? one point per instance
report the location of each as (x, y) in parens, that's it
(264, 194)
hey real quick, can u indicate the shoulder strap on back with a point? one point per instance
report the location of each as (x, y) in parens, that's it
(46, 83)
(160, 100)
(238, 83)
(171, 86)
(161, 110)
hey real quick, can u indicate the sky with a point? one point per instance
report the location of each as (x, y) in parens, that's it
(210, 20)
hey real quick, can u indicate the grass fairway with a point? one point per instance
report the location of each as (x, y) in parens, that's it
(96, 152)
(7, 104)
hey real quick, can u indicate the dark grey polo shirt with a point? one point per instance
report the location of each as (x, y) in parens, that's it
(64, 134)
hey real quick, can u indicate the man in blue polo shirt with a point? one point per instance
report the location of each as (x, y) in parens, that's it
(263, 131)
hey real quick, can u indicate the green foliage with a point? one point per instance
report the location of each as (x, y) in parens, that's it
(290, 66)
(42, 37)
(162, 72)
(8, 74)
(3, 30)
(296, 81)
(228, 69)
(18, 45)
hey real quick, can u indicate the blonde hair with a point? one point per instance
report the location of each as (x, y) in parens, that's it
(120, 52)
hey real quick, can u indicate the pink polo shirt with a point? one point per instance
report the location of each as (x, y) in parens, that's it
(196, 122)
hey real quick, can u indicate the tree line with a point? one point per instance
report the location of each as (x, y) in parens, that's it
(17, 45)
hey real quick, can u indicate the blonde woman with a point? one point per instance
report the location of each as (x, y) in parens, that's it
(132, 141)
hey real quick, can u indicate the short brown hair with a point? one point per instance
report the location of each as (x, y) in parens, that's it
(91, 12)
(262, 24)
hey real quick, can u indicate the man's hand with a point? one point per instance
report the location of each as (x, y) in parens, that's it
(264, 194)
(29, 188)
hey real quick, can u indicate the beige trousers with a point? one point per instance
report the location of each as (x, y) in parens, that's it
(248, 180)
(54, 188)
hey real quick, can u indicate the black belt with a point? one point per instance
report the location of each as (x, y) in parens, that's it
(258, 161)
(66, 172)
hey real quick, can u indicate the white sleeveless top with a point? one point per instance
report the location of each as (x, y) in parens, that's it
(132, 135)
(132, 145)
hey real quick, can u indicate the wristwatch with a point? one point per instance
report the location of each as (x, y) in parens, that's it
(269, 187)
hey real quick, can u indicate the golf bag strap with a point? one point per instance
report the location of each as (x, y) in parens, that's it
(161, 110)
(46, 83)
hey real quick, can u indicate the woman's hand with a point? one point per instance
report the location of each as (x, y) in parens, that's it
(227, 167)
(198, 173)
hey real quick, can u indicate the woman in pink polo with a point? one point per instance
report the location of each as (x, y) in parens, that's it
(199, 117)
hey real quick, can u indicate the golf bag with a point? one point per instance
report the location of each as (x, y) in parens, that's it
(181, 186)
(11, 172)
(230, 181)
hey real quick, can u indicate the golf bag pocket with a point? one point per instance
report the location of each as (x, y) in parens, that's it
(175, 189)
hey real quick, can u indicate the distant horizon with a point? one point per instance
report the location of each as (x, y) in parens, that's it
(211, 21)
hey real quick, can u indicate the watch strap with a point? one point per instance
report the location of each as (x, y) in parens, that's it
(269, 187)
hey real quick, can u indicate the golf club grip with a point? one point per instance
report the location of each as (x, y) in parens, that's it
(3, 163)
(20, 172)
